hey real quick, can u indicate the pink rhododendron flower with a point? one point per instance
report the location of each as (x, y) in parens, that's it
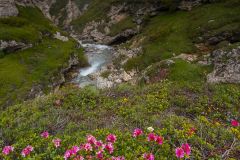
(75, 149)
(111, 138)
(235, 123)
(151, 137)
(187, 149)
(179, 152)
(45, 134)
(137, 132)
(70, 152)
(99, 154)
(26, 151)
(57, 142)
(109, 147)
(7, 150)
(91, 139)
(87, 147)
(159, 140)
(67, 154)
(148, 156)
(99, 144)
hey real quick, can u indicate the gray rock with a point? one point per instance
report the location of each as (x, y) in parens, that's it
(8, 8)
(226, 67)
(104, 83)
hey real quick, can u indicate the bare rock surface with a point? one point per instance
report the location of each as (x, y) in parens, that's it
(226, 67)
(8, 8)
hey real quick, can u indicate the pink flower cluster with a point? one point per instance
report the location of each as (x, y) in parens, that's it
(148, 156)
(7, 150)
(45, 134)
(57, 142)
(26, 151)
(185, 149)
(137, 132)
(156, 138)
(70, 152)
(235, 123)
(93, 145)
(111, 138)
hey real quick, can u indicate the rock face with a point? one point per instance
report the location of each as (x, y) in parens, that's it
(72, 12)
(63, 17)
(226, 67)
(8, 8)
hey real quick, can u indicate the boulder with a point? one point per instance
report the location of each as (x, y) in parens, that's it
(226, 67)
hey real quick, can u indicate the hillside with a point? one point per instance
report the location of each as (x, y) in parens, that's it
(170, 89)
(31, 56)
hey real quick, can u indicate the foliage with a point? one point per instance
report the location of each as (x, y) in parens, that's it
(203, 136)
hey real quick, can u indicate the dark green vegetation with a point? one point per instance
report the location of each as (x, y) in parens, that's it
(21, 70)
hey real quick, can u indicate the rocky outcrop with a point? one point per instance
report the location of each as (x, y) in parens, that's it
(43, 5)
(122, 37)
(8, 8)
(12, 46)
(226, 67)
(64, 16)
(230, 36)
(60, 37)
(72, 12)
(187, 5)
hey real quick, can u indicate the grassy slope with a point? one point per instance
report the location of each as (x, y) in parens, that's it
(176, 32)
(21, 70)
(167, 106)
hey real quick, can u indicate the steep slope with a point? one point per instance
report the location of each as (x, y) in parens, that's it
(31, 58)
